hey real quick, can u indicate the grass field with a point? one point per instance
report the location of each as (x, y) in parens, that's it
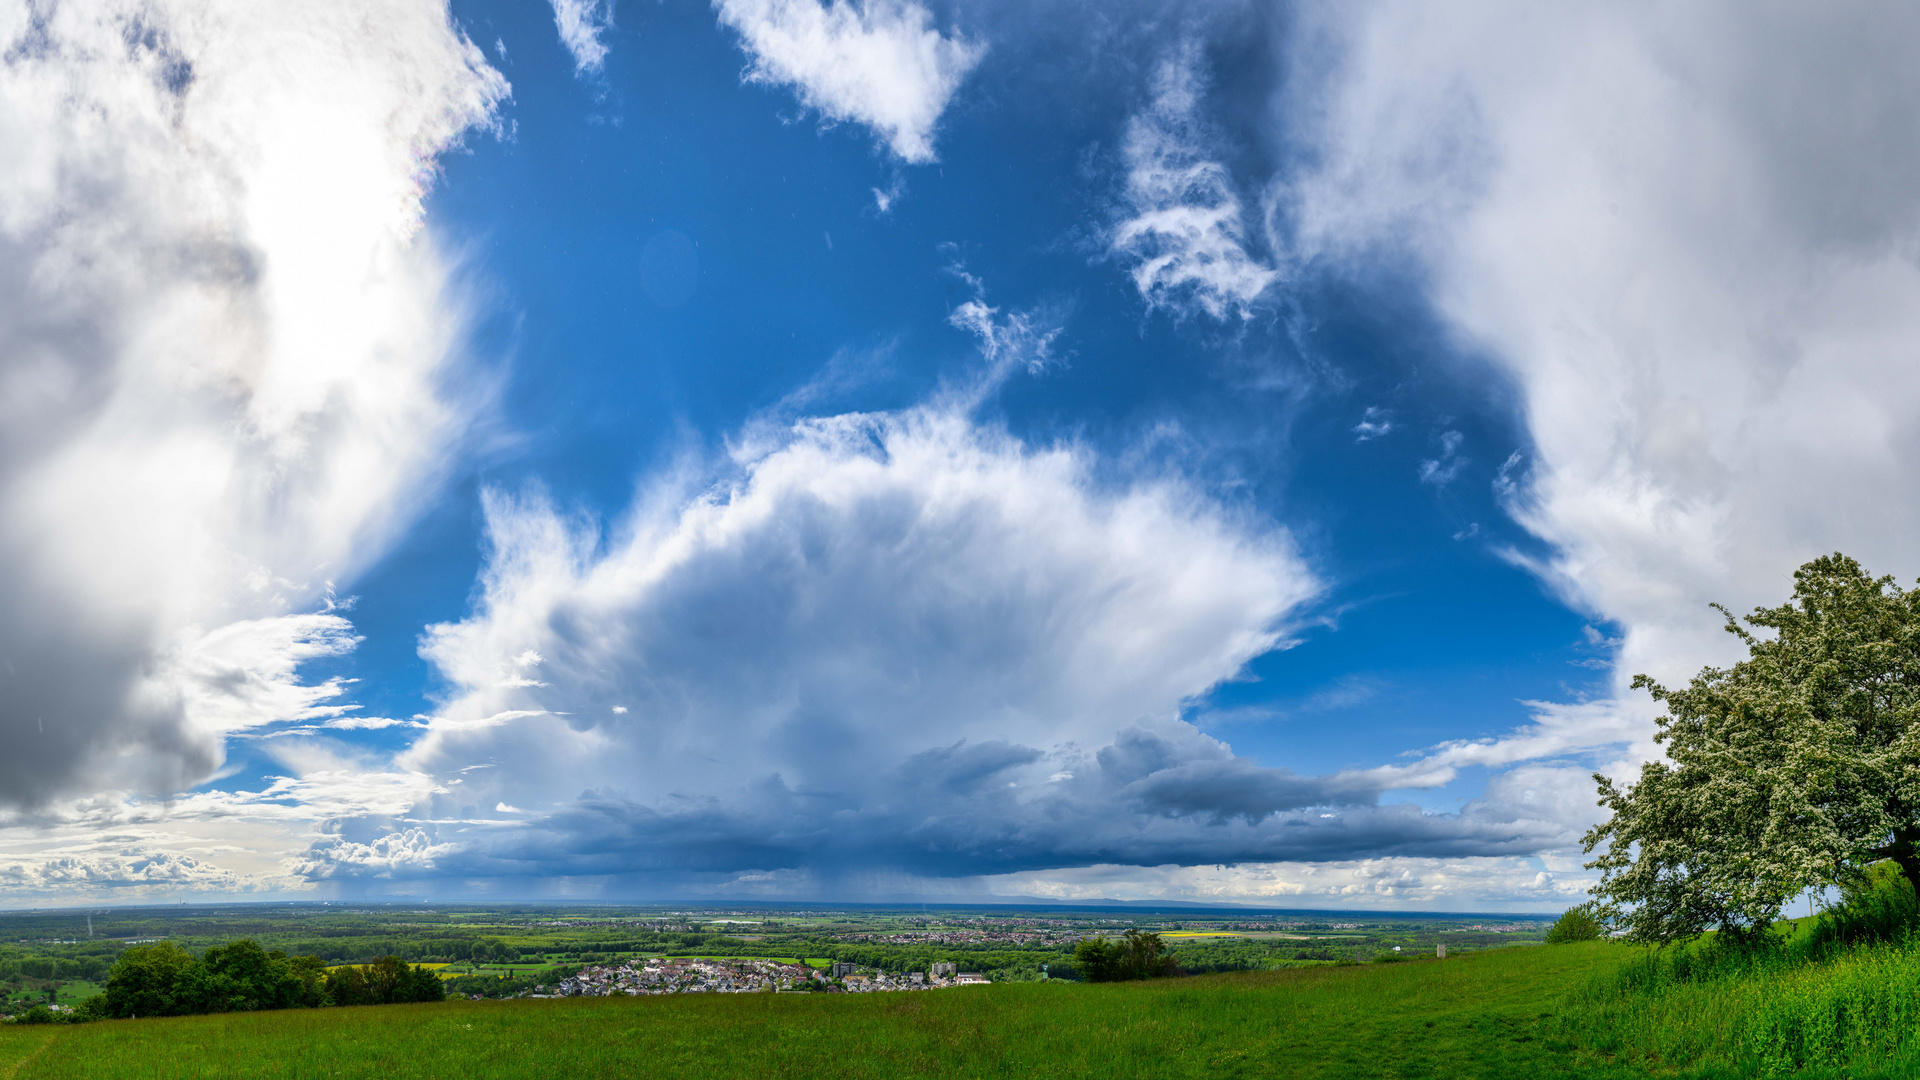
(1561, 1011)
(67, 993)
(73, 993)
(1487, 1015)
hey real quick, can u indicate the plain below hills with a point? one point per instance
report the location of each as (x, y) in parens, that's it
(1805, 1006)
(1489, 1014)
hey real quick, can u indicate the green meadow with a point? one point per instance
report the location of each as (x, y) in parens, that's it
(1593, 1009)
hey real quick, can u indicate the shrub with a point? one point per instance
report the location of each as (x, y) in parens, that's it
(165, 980)
(1135, 956)
(1578, 924)
(386, 981)
(1878, 905)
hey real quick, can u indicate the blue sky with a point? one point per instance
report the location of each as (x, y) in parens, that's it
(778, 449)
(608, 384)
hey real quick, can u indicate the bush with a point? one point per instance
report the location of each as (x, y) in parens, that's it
(386, 981)
(1879, 905)
(1135, 956)
(144, 981)
(166, 980)
(1578, 924)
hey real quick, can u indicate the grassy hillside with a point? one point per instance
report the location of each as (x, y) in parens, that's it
(1592, 1010)
(1476, 1016)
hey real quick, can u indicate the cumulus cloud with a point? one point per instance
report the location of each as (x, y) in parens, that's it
(408, 852)
(118, 875)
(1690, 236)
(903, 643)
(581, 22)
(880, 63)
(215, 842)
(225, 337)
(1185, 233)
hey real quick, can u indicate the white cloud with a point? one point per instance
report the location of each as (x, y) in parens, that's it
(879, 63)
(370, 723)
(1509, 883)
(118, 875)
(860, 551)
(224, 339)
(1186, 232)
(894, 644)
(886, 639)
(109, 846)
(1375, 423)
(1442, 470)
(581, 22)
(1019, 339)
(406, 851)
(246, 673)
(1690, 234)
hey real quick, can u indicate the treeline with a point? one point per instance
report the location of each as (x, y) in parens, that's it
(166, 980)
(1211, 955)
(89, 968)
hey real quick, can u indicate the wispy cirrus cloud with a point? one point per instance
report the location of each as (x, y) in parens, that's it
(1184, 231)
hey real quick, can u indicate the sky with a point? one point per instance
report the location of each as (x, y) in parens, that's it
(1219, 451)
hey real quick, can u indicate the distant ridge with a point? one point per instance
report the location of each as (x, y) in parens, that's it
(978, 903)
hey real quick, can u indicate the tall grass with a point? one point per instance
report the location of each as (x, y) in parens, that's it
(1861, 1009)
(1838, 994)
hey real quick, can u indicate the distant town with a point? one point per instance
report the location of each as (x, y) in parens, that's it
(721, 976)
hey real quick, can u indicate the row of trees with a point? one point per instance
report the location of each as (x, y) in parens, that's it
(166, 980)
(90, 968)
